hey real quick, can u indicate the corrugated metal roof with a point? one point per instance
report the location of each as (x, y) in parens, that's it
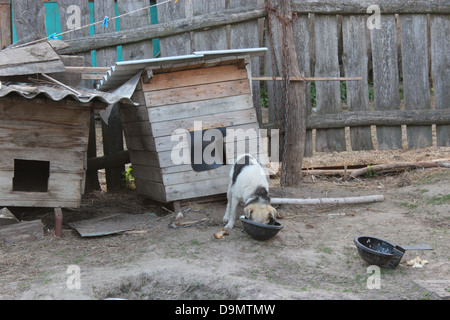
(55, 93)
(124, 70)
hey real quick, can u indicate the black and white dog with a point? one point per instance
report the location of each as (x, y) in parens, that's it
(249, 185)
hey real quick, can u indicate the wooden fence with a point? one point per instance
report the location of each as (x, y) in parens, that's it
(403, 63)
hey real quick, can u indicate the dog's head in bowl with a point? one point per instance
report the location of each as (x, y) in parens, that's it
(260, 213)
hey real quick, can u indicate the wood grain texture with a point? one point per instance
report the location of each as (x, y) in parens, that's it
(416, 86)
(355, 65)
(196, 93)
(328, 93)
(440, 48)
(386, 79)
(139, 50)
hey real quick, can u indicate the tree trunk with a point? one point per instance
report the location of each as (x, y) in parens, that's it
(294, 131)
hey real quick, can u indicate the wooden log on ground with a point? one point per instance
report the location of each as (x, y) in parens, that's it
(401, 166)
(318, 201)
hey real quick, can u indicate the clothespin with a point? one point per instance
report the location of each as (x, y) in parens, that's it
(175, 2)
(52, 36)
(105, 22)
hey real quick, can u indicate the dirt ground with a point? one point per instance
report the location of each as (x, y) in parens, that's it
(313, 257)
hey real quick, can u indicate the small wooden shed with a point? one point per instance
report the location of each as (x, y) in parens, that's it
(190, 108)
(43, 141)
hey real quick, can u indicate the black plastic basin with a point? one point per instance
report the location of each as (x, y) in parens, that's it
(379, 252)
(261, 231)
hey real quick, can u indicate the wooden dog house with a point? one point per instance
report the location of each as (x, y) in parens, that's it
(183, 102)
(43, 141)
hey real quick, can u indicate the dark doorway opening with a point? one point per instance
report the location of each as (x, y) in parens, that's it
(31, 175)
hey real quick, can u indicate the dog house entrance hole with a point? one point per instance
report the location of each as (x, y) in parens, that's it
(215, 149)
(31, 175)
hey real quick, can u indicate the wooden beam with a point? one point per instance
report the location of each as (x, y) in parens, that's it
(382, 118)
(360, 7)
(308, 78)
(88, 69)
(90, 76)
(161, 30)
(109, 161)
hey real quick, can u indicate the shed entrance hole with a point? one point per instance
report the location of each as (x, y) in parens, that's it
(31, 175)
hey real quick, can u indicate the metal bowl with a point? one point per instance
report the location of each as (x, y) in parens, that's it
(261, 231)
(378, 251)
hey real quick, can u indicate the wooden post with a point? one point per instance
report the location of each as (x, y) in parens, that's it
(280, 22)
(113, 142)
(58, 222)
(92, 182)
(5, 24)
(111, 131)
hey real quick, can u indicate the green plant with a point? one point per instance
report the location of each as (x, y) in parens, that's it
(264, 96)
(129, 178)
(371, 173)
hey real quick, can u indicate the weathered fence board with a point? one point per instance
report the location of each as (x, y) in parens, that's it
(139, 50)
(386, 79)
(108, 56)
(29, 19)
(328, 93)
(246, 35)
(355, 65)
(73, 14)
(213, 39)
(416, 86)
(440, 50)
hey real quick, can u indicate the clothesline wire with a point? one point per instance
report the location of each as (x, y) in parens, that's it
(106, 19)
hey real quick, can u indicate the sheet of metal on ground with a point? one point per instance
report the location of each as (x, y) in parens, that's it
(113, 223)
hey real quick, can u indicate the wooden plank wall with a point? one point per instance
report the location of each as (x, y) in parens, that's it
(62, 141)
